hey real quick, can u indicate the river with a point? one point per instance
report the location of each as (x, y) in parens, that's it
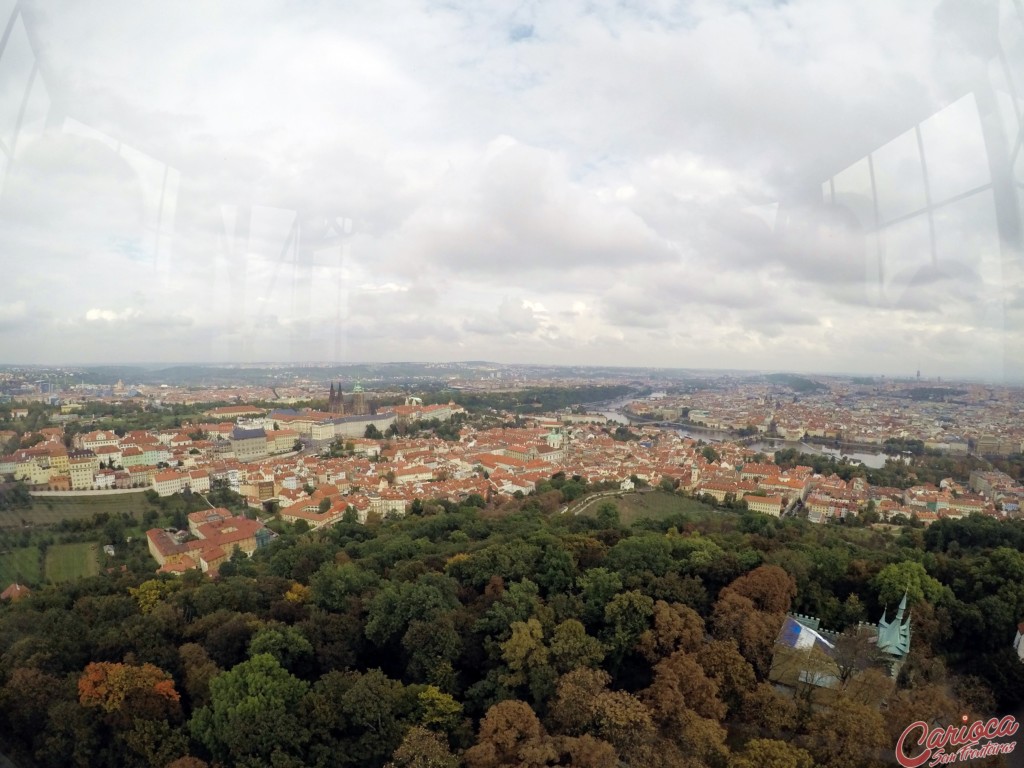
(612, 410)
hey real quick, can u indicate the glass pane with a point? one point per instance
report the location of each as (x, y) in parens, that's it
(899, 178)
(906, 255)
(954, 150)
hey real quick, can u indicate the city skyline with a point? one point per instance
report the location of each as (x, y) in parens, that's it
(804, 187)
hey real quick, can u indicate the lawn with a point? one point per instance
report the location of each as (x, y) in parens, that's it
(47, 510)
(656, 505)
(20, 565)
(65, 562)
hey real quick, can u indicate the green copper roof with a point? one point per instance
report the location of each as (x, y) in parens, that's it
(894, 636)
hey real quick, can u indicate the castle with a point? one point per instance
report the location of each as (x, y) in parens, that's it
(806, 654)
(357, 405)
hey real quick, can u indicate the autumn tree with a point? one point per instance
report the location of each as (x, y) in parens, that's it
(583, 705)
(766, 709)
(735, 617)
(128, 691)
(421, 748)
(681, 685)
(675, 627)
(510, 735)
(768, 587)
(847, 735)
(768, 753)
(722, 662)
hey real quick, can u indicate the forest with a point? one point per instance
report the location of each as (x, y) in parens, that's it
(510, 635)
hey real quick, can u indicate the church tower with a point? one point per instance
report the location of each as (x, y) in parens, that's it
(335, 404)
(894, 636)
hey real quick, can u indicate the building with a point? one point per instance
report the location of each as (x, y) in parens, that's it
(768, 505)
(217, 535)
(168, 482)
(15, 592)
(807, 655)
(335, 403)
(249, 444)
(82, 467)
(359, 404)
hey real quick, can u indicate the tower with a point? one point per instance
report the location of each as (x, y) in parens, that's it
(359, 401)
(335, 404)
(894, 636)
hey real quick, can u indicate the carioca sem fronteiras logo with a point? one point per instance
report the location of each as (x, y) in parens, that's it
(952, 744)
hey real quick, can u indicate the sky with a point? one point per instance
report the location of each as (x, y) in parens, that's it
(727, 184)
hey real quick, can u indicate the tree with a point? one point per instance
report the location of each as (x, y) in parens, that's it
(572, 709)
(510, 735)
(736, 618)
(855, 651)
(909, 577)
(768, 587)
(679, 685)
(199, 671)
(285, 643)
(607, 514)
(766, 709)
(847, 735)
(768, 753)
(372, 433)
(127, 691)
(626, 616)
(722, 662)
(676, 627)
(572, 647)
(253, 713)
(527, 659)
(421, 748)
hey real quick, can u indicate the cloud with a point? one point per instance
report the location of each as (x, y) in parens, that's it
(605, 183)
(110, 316)
(13, 315)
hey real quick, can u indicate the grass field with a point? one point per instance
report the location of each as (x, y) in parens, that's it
(47, 510)
(655, 505)
(70, 561)
(20, 565)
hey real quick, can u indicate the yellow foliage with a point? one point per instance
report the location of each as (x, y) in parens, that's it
(150, 593)
(297, 593)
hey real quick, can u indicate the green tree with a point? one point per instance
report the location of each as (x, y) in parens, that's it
(908, 577)
(626, 616)
(285, 643)
(254, 715)
(572, 647)
(607, 514)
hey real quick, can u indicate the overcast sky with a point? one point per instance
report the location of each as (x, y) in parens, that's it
(634, 183)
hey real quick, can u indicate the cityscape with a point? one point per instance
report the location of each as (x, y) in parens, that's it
(214, 470)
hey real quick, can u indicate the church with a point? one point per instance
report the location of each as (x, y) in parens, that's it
(356, 406)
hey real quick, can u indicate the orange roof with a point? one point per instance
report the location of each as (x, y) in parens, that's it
(15, 592)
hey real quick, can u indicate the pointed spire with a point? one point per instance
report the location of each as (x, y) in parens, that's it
(901, 609)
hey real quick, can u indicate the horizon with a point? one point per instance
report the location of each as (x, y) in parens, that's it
(156, 367)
